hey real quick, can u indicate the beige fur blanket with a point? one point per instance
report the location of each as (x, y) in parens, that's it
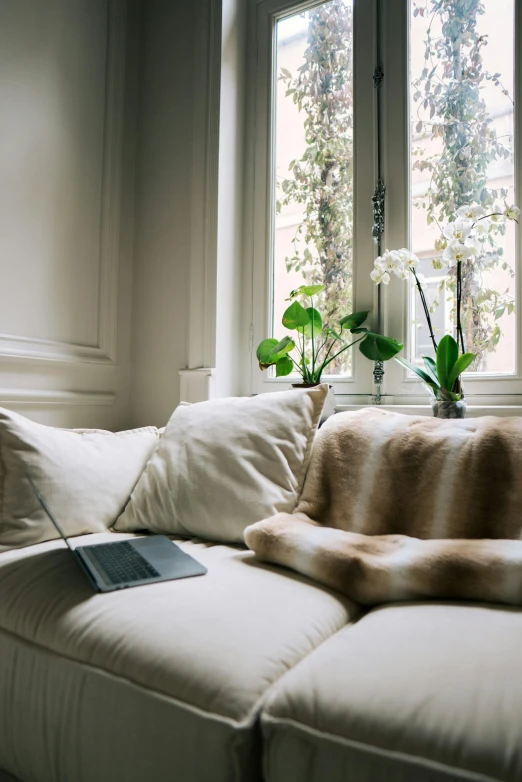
(397, 507)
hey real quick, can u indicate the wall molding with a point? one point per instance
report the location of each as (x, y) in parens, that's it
(25, 396)
(22, 349)
(28, 349)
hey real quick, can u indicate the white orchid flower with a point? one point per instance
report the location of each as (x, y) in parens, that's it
(471, 212)
(388, 261)
(481, 231)
(457, 252)
(473, 246)
(409, 259)
(380, 275)
(402, 272)
(458, 230)
(511, 212)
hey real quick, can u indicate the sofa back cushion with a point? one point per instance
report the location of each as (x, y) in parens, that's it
(85, 476)
(224, 464)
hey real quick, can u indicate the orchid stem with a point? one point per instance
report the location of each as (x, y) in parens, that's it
(459, 296)
(313, 336)
(426, 308)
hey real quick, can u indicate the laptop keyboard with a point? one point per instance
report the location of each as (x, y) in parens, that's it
(121, 562)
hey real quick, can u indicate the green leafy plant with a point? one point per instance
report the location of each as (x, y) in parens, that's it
(318, 346)
(443, 375)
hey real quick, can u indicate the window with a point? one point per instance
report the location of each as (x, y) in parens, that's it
(441, 132)
(313, 151)
(462, 126)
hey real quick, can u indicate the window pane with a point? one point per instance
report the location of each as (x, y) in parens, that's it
(313, 191)
(462, 66)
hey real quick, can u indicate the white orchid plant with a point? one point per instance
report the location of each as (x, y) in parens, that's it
(465, 238)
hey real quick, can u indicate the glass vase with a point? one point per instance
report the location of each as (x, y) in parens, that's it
(444, 409)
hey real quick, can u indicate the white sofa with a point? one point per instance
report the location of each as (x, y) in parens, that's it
(248, 673)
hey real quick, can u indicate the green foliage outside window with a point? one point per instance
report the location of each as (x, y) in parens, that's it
(323, 177)
(450, 89)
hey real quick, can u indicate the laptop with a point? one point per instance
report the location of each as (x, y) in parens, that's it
(128, 563)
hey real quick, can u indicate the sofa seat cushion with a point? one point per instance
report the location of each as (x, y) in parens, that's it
(410, 693)
(162, 681)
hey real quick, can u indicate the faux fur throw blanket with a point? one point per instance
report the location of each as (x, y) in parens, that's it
(397, 507)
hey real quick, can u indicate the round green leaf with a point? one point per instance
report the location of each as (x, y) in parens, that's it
(295, 316)
(306, 290)
(311, 290)
(376, 347)
(317, 321)
(353, 321)
(281, 349)
(284, 366)
(263, 352)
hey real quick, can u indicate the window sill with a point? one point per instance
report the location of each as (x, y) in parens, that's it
(473, 411)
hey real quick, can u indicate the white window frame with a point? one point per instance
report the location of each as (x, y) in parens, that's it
(400, 387)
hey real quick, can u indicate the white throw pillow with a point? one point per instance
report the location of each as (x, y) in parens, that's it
(85, 476)
(224, 464)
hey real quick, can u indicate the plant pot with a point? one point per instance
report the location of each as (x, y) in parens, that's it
(329, 403)
(444, 409)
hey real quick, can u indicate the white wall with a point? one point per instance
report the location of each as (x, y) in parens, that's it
(67, 103)
(163, 231)
(188, 263)
(121, 125)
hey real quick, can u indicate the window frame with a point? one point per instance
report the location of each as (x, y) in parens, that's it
(392, 307)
